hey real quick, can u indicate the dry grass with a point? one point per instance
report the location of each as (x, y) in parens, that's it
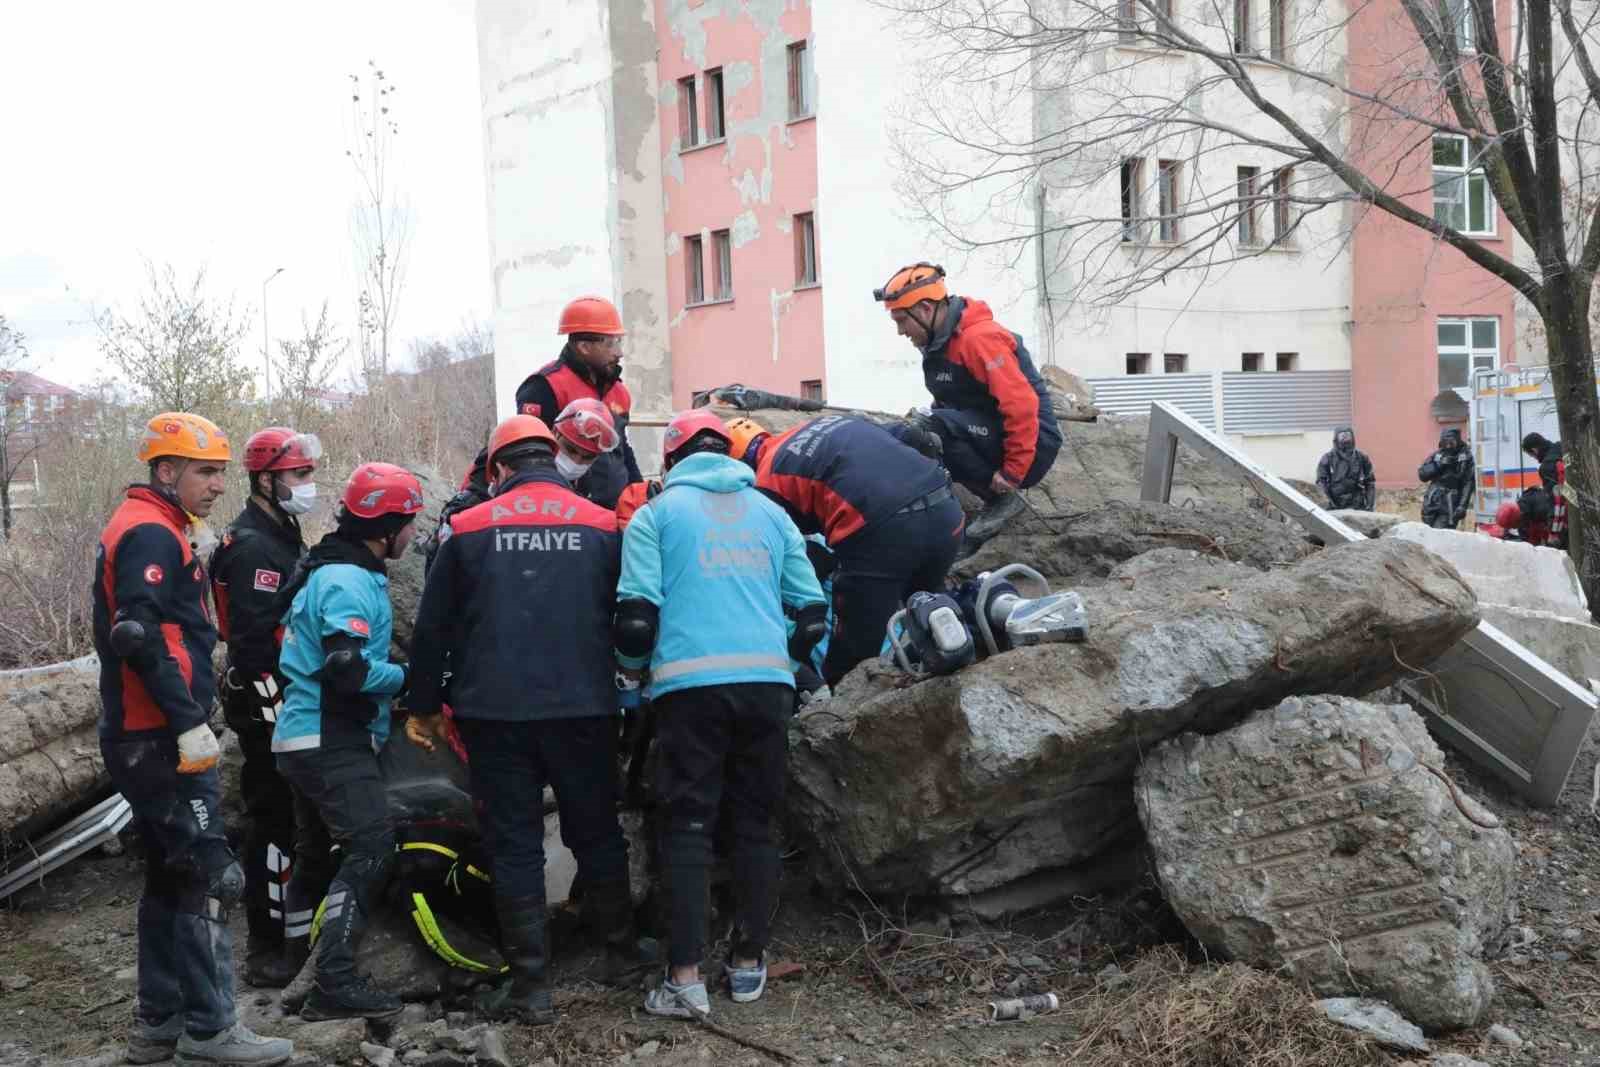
(1168, 1012)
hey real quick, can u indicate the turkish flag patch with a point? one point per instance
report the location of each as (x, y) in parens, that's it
(153, 574)
(268, 581)
(360, 626)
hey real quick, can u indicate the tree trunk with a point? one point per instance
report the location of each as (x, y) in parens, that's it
(1565, 312)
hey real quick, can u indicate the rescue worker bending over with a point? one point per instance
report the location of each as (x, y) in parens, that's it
(249, 569)
(1345, 474)
(519, 605)
(1451, 478)
(887, 512)
(709, 571)
(335, 719)
(1553, 478)
(154, 636)
(590, 365)
(991, 410)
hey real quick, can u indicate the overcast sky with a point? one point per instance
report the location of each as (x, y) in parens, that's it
(213, 134)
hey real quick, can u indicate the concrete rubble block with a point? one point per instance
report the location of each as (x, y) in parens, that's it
(1506, 572)
(1024, 762)
(1377, 1020)
(334, 1039)
(50, 758)
(1572, 646)
(1314, 839)
(1371, 523)
(1070, 395)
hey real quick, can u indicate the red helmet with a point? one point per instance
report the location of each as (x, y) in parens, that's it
(516, 430)
(587, 423)
(378, 489)
(1508, 515)
(686, 426)
(591, 314)
(278, 448)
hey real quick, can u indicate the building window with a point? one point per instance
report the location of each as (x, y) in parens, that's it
(799, 80)
(1462, 199)
(716, 121)
(688, 112)
(1243, 41)
(1288, 361)
(811, 390)
(1165, 7)
(1138, 363)
(1278, 30)
(1283, 220)
(53, 403)
(1167, 173)
(1466, 346)
(694, 266)
(1460, 26)
(1250, 361)
(722, 247)
(1127, 18)
(805, 249)
(1249, 184)
(1132, 208)
(27, 408)
(1174, 363)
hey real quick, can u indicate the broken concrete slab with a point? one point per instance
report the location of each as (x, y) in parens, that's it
(1377, 1020)
(1506, 572)
(1070, 396)
(1023, 762)
(1371, 523)
(1120, 868)
(1319, 837)
(1572, 646)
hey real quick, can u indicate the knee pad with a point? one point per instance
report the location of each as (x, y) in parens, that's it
(213, 896)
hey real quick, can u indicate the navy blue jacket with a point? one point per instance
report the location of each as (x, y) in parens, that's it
(518, 606)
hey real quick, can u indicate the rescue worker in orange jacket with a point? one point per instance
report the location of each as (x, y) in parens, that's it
(590, 365)
(991, 410)
(154, 634)
(248, 570)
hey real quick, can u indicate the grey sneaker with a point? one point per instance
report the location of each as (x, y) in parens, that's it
(154, 1043)
(678, 1001)
(747, 983)
(236, 1045)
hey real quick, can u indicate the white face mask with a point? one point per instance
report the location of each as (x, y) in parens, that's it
(569, 468)
(302, 498)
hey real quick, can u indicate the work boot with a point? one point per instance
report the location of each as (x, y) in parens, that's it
(267, 965)
(609, 911)
(994, 516)
(356, 997)
(154, 1042)
(235, 1045)
(525, 995)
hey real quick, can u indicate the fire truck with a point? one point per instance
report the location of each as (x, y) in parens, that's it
(1507, 404)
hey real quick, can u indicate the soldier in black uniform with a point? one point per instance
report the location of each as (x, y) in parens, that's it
(1452, 478)
(257, 555)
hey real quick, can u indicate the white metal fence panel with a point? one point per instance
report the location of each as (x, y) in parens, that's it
(1286, 401)
(1132, 394)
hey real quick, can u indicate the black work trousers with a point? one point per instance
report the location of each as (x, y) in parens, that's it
(716, 742)
(878, 568)
(511, 763)
(975, 448)
(339, 799)
(269, 828)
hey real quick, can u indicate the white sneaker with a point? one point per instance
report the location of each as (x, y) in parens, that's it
(678, 1001)
(234, 1046)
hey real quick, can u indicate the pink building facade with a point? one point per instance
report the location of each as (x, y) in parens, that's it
(739, 184)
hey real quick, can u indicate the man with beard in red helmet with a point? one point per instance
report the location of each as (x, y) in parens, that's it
(250, 567)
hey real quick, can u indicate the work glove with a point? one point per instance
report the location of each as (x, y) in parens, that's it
(1000, 485)
(1459, 516)
(424, 730)
(815, 696)
(198, 750)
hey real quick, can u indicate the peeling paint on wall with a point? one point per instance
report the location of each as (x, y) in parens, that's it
(746, 228)
(674, 243)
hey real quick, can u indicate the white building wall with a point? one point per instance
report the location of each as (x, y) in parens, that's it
(865, 233)
(574, 190)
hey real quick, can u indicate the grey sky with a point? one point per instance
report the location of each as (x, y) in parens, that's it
(212, 134)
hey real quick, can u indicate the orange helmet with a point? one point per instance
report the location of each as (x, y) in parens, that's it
(743, 433)
(686, 426)
(184, 436)
(591, 314)
(920, 281)
(518, 429)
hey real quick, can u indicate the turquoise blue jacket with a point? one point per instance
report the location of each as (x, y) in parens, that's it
(337, 598)
(721, 562)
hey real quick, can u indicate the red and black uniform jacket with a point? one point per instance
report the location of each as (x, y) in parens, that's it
(838, 474)
(973, 363)
(146, 571)
(248, 570)
(546, 393)
(518, 608)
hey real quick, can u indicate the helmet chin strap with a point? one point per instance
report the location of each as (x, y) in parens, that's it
(927, 327)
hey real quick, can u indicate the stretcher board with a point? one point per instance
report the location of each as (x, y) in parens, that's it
(1493, 700)
(66, 843)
